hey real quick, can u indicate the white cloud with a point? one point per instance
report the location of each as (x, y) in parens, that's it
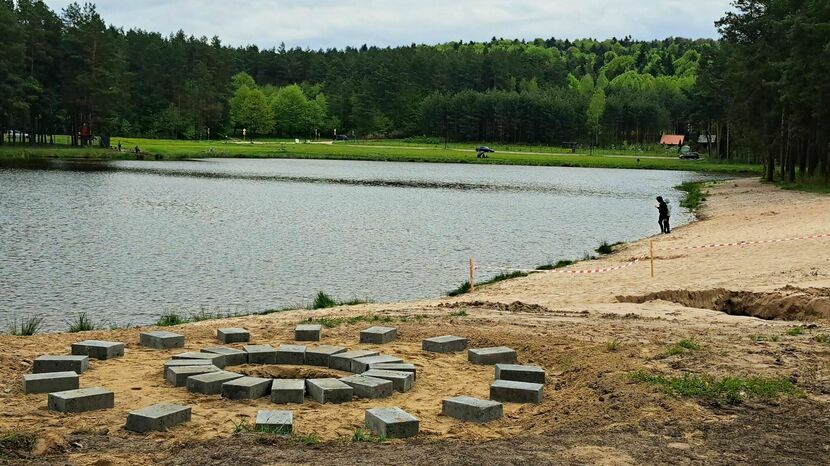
(330, 23)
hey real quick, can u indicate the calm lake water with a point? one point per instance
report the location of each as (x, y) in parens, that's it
(129, 240)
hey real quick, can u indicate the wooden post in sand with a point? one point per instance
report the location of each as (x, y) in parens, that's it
(651, 255)
(472, 276)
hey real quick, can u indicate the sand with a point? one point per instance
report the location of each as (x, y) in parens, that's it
(592, 411)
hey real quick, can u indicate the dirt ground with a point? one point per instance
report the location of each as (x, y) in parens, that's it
(737, 303)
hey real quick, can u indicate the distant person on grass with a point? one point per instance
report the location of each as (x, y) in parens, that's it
(664, 212)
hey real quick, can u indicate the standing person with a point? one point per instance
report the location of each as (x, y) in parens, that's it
(663, 215)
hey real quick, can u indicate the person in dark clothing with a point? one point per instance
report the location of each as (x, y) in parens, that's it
(663, 215)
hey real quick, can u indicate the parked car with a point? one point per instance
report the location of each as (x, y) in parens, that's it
(342, 137)
(482, 151)
(690, 156)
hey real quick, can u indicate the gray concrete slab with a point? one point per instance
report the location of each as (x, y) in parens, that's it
(218, 360)
(60, 363)
(518, 373)
(361, 365)
(184, 362)
(210, 383)
(329, 390)
(494, 355)
(307, 332)
(368, 387)
(233, 335)
(246, 388)
(288, 391)
(233, 356)
(319, 355)
(516, 392)
(177, 375)
(158, 417)
(343, 361)
(50, 382)
(471, 409)
(274, 422)
(378, 335)
(81, 400)
(261, 354)
(161, 340)
(291, 354)
(400, 366)
(444, 344)
(401, 381)
(391, 422)
(98, 349)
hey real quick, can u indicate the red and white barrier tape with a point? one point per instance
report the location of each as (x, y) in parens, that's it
(745, 243)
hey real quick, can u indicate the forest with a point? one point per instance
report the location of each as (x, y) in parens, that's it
(759, 92)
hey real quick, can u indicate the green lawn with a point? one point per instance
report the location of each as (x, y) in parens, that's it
(385, 151)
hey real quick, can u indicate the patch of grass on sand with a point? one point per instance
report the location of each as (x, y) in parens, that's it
(695, 195)
(363, 435)
(332, 322)
(554, 266)
(308, 439)
(461, 313)
(613, 345)
(26, 327)
(324, 301)
(170, 319)
(720, 391)
(82, 323)
(822, 338)
(465, 287)
(16, 443)
(795, 331)
(682, 347)
(606, 248)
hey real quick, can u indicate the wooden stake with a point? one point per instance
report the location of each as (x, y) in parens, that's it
(651, 255)
(472, 276)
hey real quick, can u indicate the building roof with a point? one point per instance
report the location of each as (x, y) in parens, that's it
(672, 139)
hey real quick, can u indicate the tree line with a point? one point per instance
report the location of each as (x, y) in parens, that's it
(758, 94)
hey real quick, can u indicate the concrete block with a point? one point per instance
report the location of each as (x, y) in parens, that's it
(50, 382)
(161, 340)
(329, 390)
(391, 422)
(472, 409)
(399, 366)
(54, 363)
(233, 335)
(218, 360)
(98, 349)
(291, 354)
(361, 365)
(516, 392)
(319, 356)
(496, 355)
(177, 375)
(274, 422)
(343, 361)
(210, 383)
(378, 335)
(307, 332)
(233, 357)
(288, 391)
(184, 362)
(368, 387)
(261, 354)
(401, 381)
(246, 388)
(515, 372)
(158, 417)
(81, 400)
(444, 344)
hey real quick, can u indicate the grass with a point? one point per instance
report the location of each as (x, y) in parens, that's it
(171, 318)
(465, 287)
(362, 435)
(332, 322)
(309, 439)
(720, 391)
(695, 196)
(241, 426)
(324, 301)
(822, 338)
(606, 248)
(461, 313)
(27, 326)
(16, 443)
(272, 430)
(682, 347)
(462, 289)
(82, 323)
(795, 331)
(612, 346)
(554, 266)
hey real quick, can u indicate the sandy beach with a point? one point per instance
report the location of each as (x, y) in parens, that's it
(738, 303)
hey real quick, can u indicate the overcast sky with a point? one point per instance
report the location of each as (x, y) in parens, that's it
(339, 23)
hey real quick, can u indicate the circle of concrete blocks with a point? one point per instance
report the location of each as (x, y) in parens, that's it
(391, 422)
(494, 355)
(400, 367)
(60, 363)
(361, 365)
(98, 349)
(516, 392)
(233, 335)
(472, 409)
(210, 383)
(246, 388)
(401, 381)
(274, 422)
(288, 391)
(319, 355)
(218, 360)
(518, 373)
(182, 363)
(368, 387)
(343, 361)
(161, 340)
(178, 375)
(158, 417)
(291, 354)
(233, 357)
(81, 400)
(329, 390)
(378, 335)
(444, 344)
(50, 382)
(261, 354)
(307, 332)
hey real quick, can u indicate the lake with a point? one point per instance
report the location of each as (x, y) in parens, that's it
(127, 241)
